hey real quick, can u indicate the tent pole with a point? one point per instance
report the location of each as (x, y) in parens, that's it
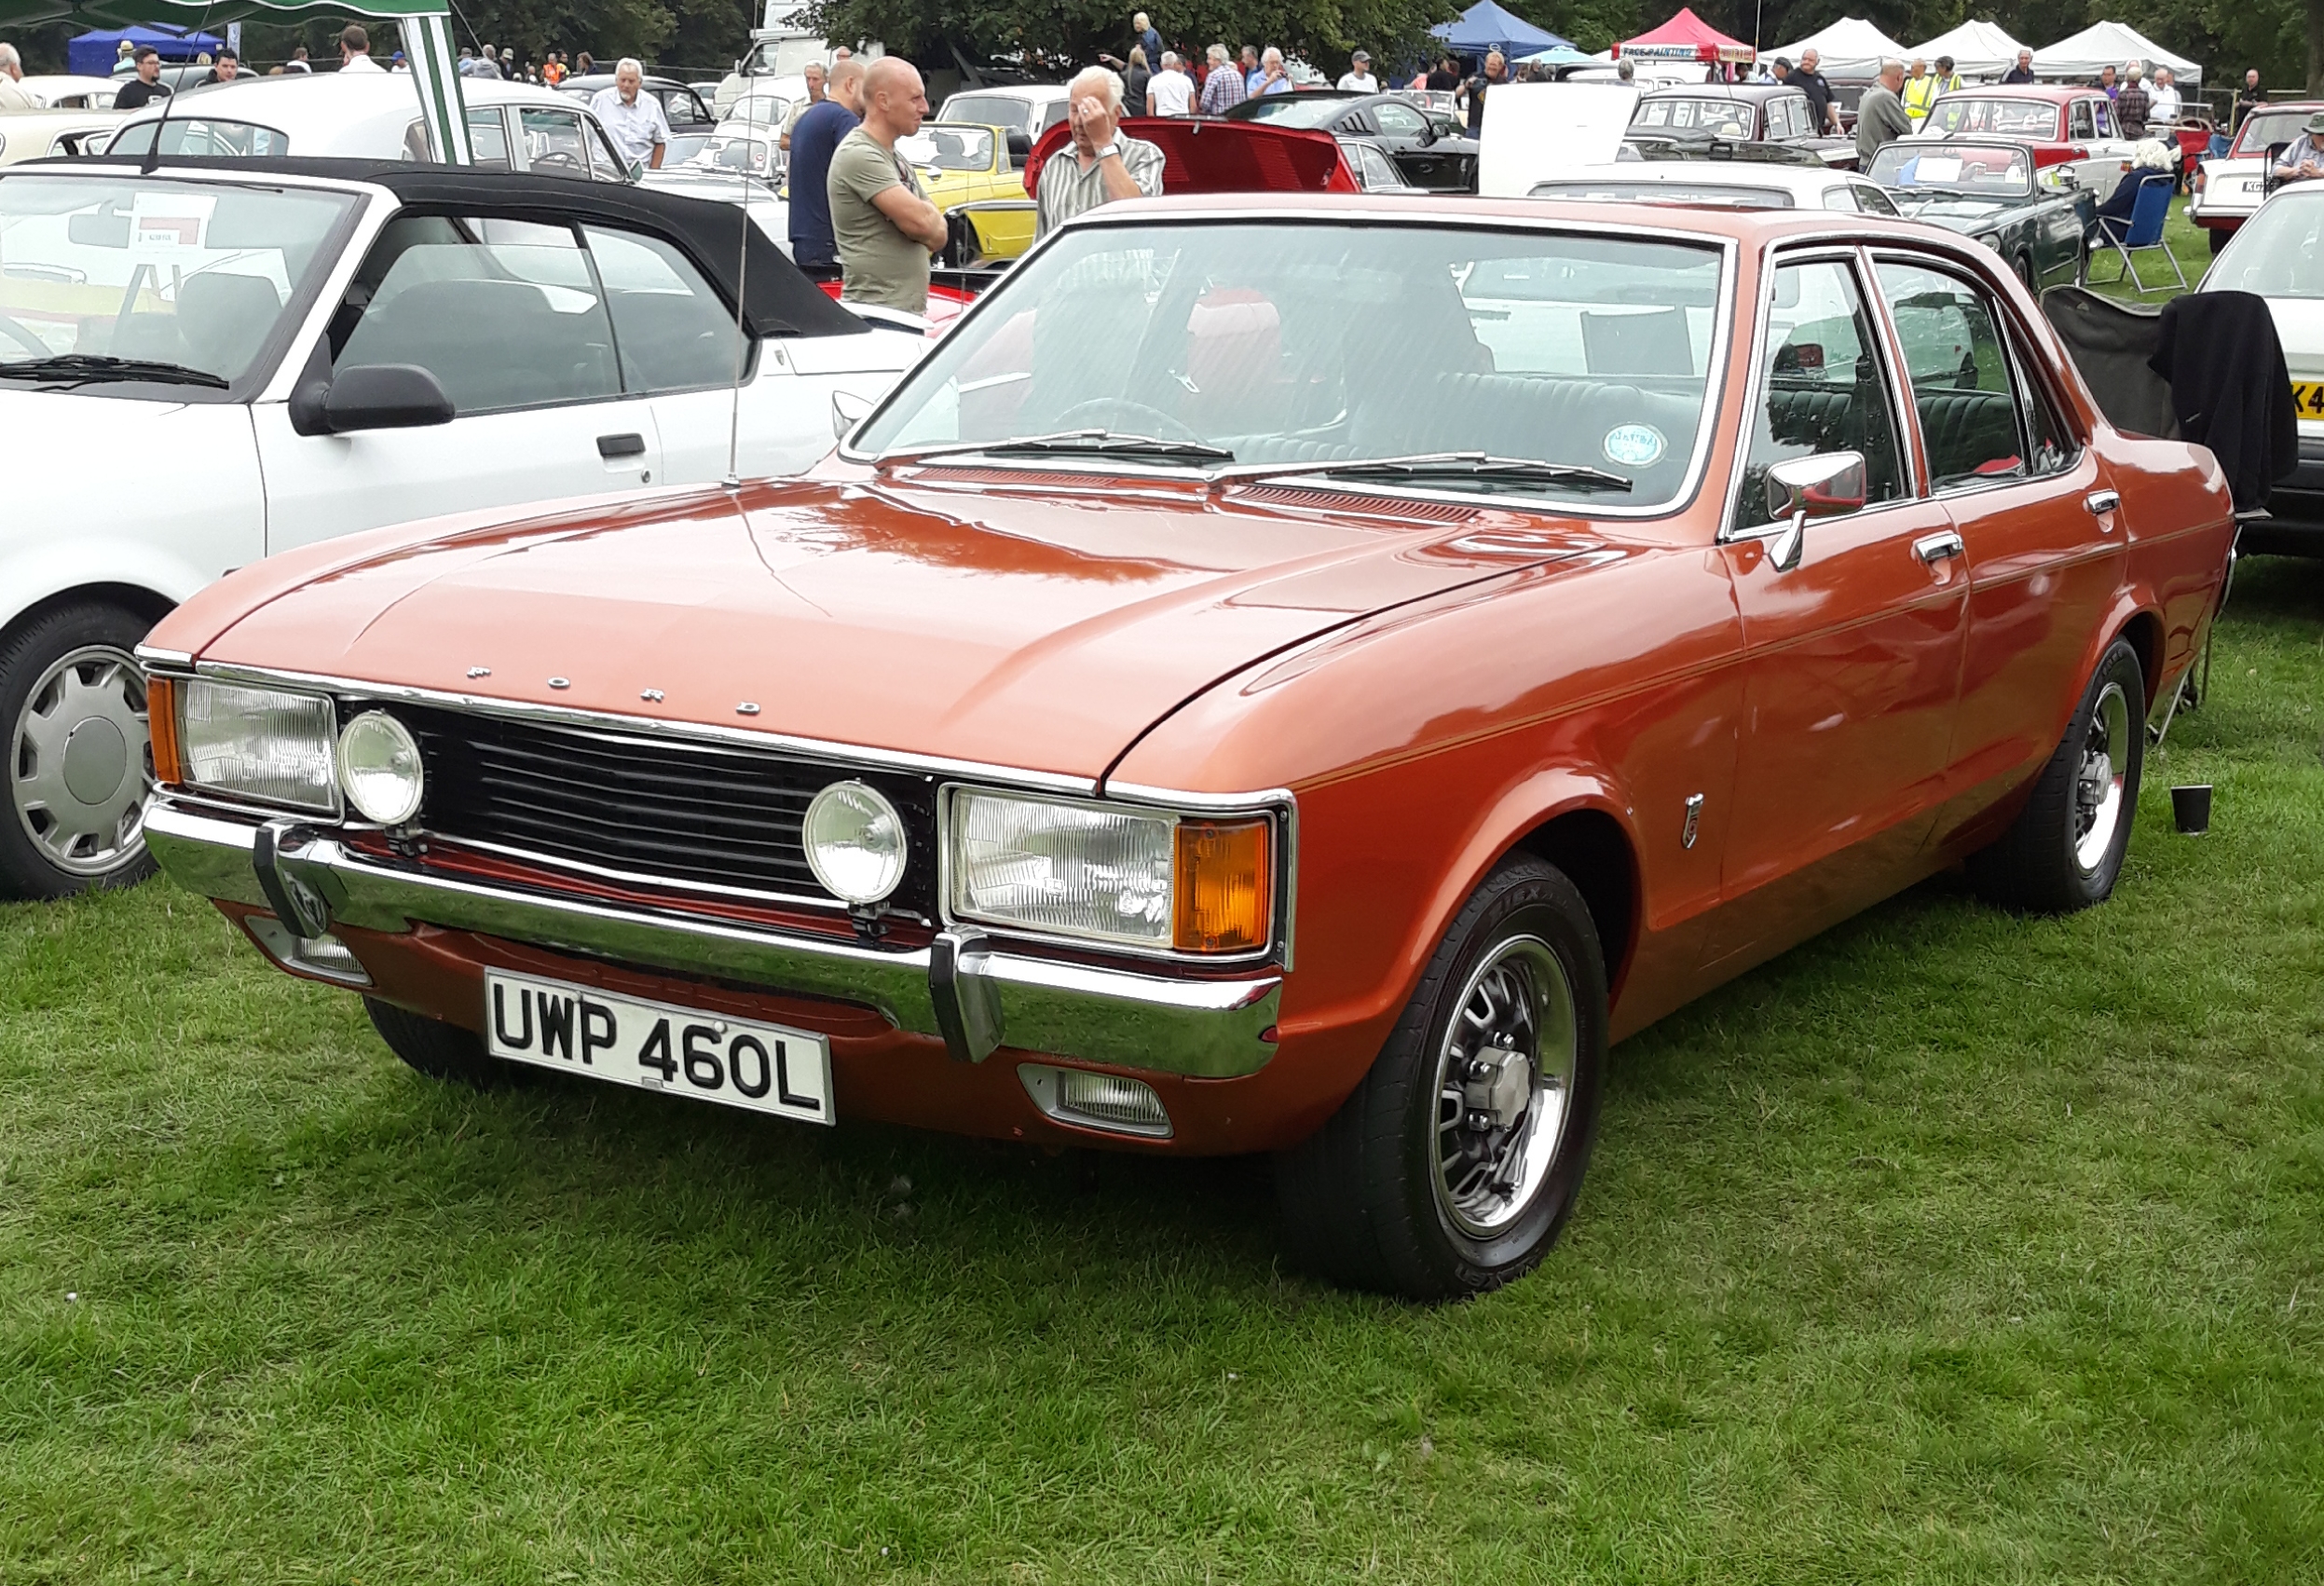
(435, 73)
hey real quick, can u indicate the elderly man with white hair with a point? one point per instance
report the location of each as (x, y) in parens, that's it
(1101, 163)
(634, 120)
(2165, 106)
(11, 68)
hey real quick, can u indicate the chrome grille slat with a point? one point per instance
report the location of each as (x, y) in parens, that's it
(696, 815)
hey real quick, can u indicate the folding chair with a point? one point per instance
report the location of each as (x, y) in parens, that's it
(2142, 233)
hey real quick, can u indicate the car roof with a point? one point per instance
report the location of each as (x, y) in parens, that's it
(779, 300)
(316, 103)
(1799, 181)
(1756, 93)
(2041, 92)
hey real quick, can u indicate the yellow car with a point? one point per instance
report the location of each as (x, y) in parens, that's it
(961, 163)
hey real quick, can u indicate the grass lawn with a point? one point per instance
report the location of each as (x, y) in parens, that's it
(2188, 242)
(1951, 1247)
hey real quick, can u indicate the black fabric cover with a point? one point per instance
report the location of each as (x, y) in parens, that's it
(2230, 389)
(782, 302)
(2112, 344)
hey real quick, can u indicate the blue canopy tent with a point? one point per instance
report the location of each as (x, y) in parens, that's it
(1485, 27)
(92, 54)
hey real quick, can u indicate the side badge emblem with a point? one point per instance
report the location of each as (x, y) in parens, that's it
(1694, 821)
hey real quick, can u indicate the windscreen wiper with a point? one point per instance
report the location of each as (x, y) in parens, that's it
(1074, 442)
(81, 367)
(1475, 466)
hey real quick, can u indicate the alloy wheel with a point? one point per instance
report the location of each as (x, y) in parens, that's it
(80, 762)
(2099, 779)
(1505, 1083)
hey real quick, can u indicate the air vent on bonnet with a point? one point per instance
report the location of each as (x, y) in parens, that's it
(1352, 502)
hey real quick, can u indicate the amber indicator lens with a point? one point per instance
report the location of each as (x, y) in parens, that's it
(162, 720)
(1226, 884)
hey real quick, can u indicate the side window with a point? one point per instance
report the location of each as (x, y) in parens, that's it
(673, 332)
(488, 138)
(554, 144)
(2078, 120)
(416, 145)
(1822, 389)
(606, 163)
(1961, 378)
(1399, 120)
(505, 313)
(1840, 198)
(1871, 199)
(2105, 114)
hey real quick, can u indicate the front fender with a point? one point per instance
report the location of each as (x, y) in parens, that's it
(34, 572)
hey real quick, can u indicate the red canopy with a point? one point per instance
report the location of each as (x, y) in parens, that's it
(1687, 37)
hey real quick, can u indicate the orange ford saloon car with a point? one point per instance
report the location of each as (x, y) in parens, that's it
(1285, 675)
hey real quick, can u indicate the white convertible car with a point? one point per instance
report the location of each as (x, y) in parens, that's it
(223, 359)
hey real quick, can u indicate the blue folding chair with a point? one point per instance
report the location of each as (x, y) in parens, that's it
(2143, 232)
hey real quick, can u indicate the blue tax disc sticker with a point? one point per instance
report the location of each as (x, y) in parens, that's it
(1633, 446)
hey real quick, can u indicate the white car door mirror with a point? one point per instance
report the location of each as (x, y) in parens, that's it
(385, 396)
(847, 411)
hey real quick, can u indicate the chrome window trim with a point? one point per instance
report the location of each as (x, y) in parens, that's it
(845, 755)
(1359, 217)
(2003, 324)
(1818, 250)
(1200, 805)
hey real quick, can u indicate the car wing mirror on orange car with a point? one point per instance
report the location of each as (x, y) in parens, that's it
(1827, 484)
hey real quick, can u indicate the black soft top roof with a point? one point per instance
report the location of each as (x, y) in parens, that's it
(782, 302)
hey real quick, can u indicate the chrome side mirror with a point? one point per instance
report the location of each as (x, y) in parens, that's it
(847, 411)
(1826, 486)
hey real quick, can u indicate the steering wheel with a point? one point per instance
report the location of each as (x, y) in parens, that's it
(1092, 414)
(17, 332)
(556, 162)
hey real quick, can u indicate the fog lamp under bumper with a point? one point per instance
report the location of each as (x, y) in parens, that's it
(1111, 1102)
(1212, 1028)
(323, 956)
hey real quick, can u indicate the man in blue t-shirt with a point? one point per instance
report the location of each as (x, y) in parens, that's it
(817, 134)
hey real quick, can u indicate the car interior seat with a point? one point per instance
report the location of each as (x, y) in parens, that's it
(225, 318)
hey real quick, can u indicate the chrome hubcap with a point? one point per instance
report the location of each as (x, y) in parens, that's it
(80, 762)
(2099, 779)
(1504, 1084)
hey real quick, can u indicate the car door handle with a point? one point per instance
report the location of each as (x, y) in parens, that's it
(2101, 503)
(1934, 548)
(630, 445)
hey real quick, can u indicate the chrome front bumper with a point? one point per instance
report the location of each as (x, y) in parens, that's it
(961, 987)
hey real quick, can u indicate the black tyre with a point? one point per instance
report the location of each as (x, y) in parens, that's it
(2219, 239)
(1456, 1163)
(441, 1050)
(2065, 847)
(2023, 263)
(78, 760)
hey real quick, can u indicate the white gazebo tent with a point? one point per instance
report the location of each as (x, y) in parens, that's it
(1850, 47)
(2110, 44)
(1980, 51)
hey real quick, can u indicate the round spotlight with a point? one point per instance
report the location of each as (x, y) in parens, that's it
(854, 842)
(379, 768)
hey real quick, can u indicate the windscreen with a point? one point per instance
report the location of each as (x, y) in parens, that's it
(1262, 340)
(1297, 110)
(2011, 117)
(193, 274)
(1717, 117)
(986, 110)
(1987, 169)
(941, 146)
(2263, 129)
(2277, 253)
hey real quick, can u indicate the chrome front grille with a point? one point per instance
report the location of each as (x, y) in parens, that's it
(642, 808)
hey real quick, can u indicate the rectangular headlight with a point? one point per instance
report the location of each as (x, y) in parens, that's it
(265, 744)
(1147, 879)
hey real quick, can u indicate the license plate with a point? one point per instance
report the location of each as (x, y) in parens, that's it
(2308, 398)
(709, 1057)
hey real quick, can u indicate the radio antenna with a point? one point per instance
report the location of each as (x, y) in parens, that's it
(733, 480)
(153, 152)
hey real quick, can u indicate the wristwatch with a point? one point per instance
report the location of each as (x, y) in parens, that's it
(1110, 150)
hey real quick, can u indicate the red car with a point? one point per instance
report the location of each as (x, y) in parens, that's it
(1282, 675)
(2062, 126)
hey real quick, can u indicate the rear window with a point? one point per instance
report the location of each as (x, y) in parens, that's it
(986, 110)
(2017, 117)
(2263, 129)
(202, 135)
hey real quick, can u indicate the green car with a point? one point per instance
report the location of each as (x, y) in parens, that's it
(1990, 191)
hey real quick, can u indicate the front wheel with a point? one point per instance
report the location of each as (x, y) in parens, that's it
(1455, 1164)
(2065, 847)
(80, 762)
(2219, 239)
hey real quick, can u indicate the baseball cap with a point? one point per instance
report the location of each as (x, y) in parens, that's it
(1361, 55)
(1784, 62)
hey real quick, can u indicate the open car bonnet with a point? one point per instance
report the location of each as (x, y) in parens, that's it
(1223, 157)
(976, 614)
(1536, 132)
